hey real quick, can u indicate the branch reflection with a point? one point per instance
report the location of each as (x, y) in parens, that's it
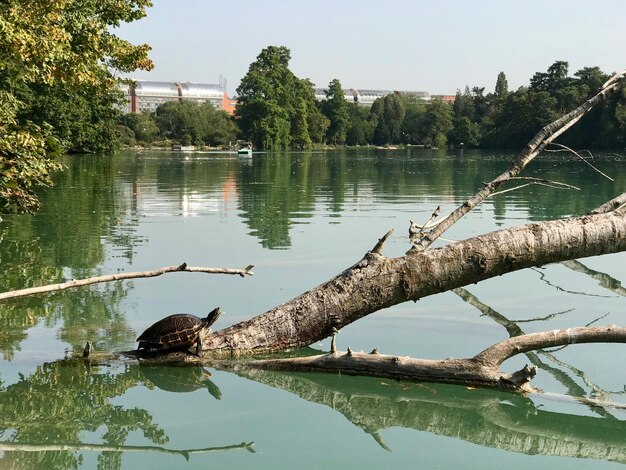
(484, 417)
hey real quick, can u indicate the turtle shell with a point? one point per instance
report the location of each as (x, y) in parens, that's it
(176, 331)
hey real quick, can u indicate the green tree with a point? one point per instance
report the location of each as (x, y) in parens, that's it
(142, 125)
(193, 123)
(436, 123)
(411, 124)
(268, 101)
(317, 124)
(49, 46)
(502, 86)
(390, 112)
(304, 106)
(360, 129)
(521, 115)
(336, 110)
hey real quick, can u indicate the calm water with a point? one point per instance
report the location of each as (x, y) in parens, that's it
(300, 218)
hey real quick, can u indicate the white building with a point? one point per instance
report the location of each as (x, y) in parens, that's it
(146, 96)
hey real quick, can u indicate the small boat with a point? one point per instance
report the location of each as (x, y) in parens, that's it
(245, 149)
(183, 148)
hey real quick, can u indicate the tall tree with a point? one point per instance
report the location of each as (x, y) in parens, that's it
(273, 103)
(502, 86)
(336, 110)
(54, 44)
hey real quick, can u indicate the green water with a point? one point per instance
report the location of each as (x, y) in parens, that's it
(300, 218)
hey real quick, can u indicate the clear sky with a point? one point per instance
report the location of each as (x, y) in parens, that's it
(437, 46)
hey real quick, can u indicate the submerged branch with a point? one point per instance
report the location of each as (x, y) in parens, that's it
(123, 276)
(584, 160)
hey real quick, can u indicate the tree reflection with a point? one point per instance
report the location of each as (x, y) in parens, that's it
(277, 189)
(45, 416)
(60, 401)
(44, 249)
(484, 417)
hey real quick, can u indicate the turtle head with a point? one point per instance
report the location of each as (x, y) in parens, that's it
(212, 317)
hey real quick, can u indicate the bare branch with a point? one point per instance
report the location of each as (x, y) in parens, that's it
(544, 137)
(537, 181)
(584, 160)
(123, 276)
(381, 242)
(23, 447)
(614, 204)
(481, 370)
(504, 350)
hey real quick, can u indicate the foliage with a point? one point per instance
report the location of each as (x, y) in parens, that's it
(192, 123)
(276, 109)
(436, 124)
(502, 85)
(335, 108)
(389, 112)
(57, 86)
(360, 126)
(273, 104)
(142, 126)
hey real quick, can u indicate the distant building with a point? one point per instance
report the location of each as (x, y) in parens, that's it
(446, 98)
(367, 97)
(146, 96)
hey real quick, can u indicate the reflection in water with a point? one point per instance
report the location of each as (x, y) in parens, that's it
(180, 378)
(45, 416)
(592, 398)
(488, 418)
(94, 220)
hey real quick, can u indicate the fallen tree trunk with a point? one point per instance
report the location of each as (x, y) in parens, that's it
(377, 282)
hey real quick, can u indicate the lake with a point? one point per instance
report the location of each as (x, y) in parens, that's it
(299, 218)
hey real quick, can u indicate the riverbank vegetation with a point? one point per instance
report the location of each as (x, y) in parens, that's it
(276, 109)
(58, 92)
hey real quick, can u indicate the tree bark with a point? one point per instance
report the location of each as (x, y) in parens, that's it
(377, 282)
(482, 370)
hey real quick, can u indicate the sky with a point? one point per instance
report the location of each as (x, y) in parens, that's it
(437, 46)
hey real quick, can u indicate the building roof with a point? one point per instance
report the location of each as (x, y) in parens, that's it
(145, 88)
(198, 90)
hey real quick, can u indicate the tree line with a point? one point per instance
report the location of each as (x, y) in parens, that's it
(276, 109)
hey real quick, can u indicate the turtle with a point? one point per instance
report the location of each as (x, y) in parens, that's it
(179, 331)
